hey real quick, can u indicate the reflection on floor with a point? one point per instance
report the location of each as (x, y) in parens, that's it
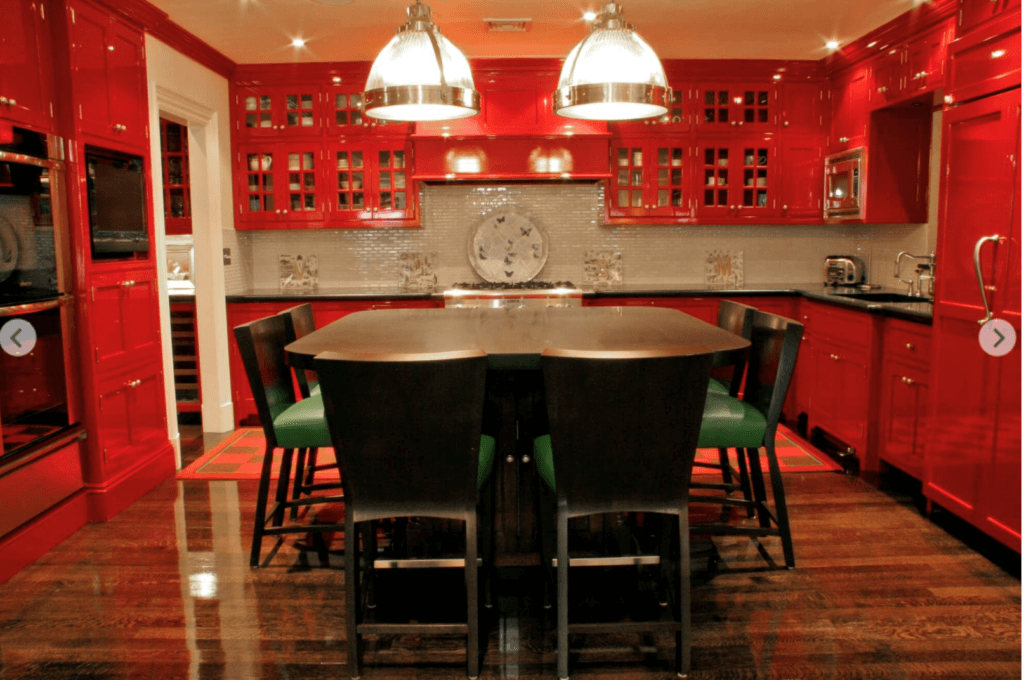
(164, 591)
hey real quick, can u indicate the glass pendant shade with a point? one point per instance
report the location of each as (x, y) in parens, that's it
(612, 74)
(420, 75)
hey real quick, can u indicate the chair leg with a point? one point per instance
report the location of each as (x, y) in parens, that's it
(563, 591)
(683, 635)
(352, 598)
(757, 486)
(261, 507)
(723, 460)
(311, 466)
(741, 463)
(781, 511)
(283, 478)
(472, 600)
(300, 475)
(487, 543)
(545, 524)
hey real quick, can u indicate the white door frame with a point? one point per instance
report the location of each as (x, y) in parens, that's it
(208, 274)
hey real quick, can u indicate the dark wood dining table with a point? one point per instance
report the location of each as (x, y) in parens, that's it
(514, 340)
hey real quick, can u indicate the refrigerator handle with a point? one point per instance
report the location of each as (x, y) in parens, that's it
(977, 269)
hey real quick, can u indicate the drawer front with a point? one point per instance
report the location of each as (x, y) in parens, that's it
(838, 325)
(907, 341)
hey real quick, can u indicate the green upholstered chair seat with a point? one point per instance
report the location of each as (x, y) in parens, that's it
(718, 387)
(730, 423)
(544, 458)
(483, 471)
(302, 425)
(314, 389)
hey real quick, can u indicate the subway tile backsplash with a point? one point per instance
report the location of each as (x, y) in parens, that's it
(571, 214)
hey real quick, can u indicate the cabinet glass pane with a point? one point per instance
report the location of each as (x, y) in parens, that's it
(264, 103)
(677, 198)
(400, 180)
(400, 202)
(384, 159)
(399, 158)
(637, 178)
(662, 177)
(250, 103)
(662, 156)
(342, 160)
(357, 159)
(662, 198)
(623, 198)
(385, 180)
(624, 157)
(637, 199)
(357, 201)
(385, 200)
(341, 117)
(638, 157)
(624, 177)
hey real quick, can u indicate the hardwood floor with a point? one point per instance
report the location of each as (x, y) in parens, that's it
(164, 590)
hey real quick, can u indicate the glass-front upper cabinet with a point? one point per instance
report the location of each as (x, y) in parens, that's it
(174, 162)
(679, 117)
(650, 179)
(722, 106)
(274, 111)
(345, 116)
(738, 178)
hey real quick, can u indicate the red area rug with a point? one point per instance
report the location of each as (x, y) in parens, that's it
(240, 456)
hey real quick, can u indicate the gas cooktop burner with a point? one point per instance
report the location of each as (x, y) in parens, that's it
(522, 285)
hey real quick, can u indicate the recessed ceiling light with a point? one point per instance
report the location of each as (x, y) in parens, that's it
(589, 16)
(298, 42)
(832, 44)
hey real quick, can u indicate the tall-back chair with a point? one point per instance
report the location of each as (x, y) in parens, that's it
(407, 430)
(738, 319)
(623, 436)
(751, 423)
(298, 323)
(287, 424)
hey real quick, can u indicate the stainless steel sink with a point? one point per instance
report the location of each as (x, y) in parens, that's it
(882, 297)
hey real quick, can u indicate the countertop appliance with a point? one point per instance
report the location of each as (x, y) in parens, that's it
(844, 270)
(843, 186)
(514, 295)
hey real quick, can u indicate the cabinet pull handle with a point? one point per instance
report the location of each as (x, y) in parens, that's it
(835, 357)
(910, 347)
(785, 207)
(977, 269)
(12, 101)
(844, 139)
(3, 100)
(883, 89)
(785, 123)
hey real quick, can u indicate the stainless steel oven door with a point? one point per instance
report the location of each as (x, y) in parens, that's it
(37, 392)
(843, 185)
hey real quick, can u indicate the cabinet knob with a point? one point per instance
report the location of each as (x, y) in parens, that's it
(278, 211)
(133, 383)
(910, 347)
(647, 207)
(510, 458)
(732, 207)
(834, 357)
(785, 207)
(3, 100)
(647, 122)
(733, 123)
(785, 123)
(285, 211)
(740, 123)
(883, 89)
(909, 381)
(12, 101)
(844, 139)
(526, 459)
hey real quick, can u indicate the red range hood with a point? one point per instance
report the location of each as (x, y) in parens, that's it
(523, 158)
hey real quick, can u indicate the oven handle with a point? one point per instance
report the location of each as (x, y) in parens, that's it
(32, 307)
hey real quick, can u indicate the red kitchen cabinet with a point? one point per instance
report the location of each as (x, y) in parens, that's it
(130, 416)
(281, 185)
(26, 69)
(972, 461)
(678, 118)
(650, 179)
(906, 70)
(276, 111)
(123, 313)
(737, 177)
(802, 171)
(343, 107)
(371, 184)
(723, 107)
(849, 98)
(974, 13)
(803, 107)
(985, 61)
(887, 77)
(905, 399)
(108, 75)
(841, 399)
(177, 189)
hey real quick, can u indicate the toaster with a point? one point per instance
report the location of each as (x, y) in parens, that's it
(844, 270)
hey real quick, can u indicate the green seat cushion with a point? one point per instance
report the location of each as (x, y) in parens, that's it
(314, 389)
(302, 425)
(718, 387)
(545, 460)
(483, 471)
(730, 423)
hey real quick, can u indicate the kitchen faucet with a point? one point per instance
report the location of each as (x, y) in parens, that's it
(914, 287)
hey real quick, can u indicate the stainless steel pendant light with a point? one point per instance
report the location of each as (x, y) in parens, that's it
(420, 75)
(612, 74)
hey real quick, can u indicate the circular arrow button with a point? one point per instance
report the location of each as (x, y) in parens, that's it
(997, 337)
(17, 337)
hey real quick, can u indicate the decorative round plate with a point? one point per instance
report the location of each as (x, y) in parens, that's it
(507, 246)
(8, 249)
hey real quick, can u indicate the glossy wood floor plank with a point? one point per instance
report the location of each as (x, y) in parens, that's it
(164, 590)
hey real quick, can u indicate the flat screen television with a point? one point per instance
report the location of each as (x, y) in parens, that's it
(116, 186)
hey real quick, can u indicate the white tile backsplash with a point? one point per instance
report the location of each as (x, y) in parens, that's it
(571, 214)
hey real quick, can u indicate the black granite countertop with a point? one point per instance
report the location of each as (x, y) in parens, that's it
(920, 312)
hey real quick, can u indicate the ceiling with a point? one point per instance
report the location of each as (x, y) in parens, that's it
(260, 31)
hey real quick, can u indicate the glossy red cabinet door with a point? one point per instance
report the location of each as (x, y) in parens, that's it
(89, 68)
(803, 177)
(803, 107)
(629, 188)
(131, 419)
(123, 314)
(737, 178)
(985, 61)
(903, 412)
(926, 60)
(976, 12)
(849, 110)
(126, 82)
(26, 75)
(977, 396)
(724, 107)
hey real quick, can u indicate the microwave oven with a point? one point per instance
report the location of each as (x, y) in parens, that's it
(844, 184)
(116, 187)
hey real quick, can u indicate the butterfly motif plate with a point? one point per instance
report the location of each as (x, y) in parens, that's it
(507, 246)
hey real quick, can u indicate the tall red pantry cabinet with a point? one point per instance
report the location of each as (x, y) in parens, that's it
(972, 465)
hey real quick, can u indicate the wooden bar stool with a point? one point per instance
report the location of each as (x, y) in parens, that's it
(287, 424)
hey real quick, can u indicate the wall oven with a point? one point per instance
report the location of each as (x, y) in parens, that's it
(844, 185)
(38, 403)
